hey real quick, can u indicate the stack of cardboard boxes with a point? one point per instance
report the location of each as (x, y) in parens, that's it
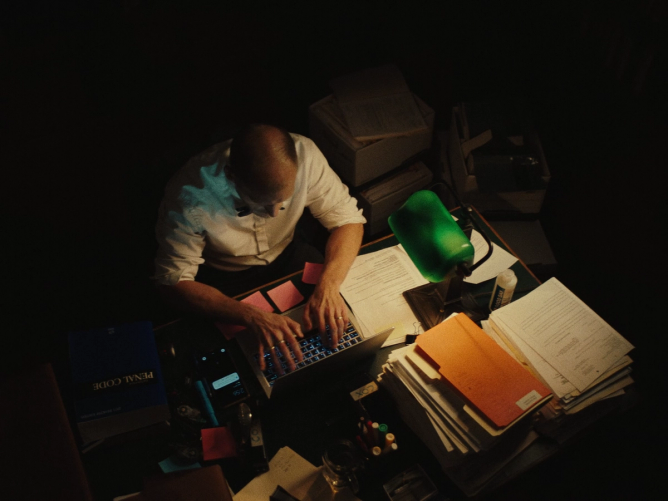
(378, 167)
(496, 163)
(496, 160)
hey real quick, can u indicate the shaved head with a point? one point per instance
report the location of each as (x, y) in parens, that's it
(263, 159)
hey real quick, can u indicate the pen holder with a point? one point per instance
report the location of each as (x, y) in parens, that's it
(341, 463)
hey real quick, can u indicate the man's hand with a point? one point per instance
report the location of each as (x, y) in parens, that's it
(326, 308)
(276, 332)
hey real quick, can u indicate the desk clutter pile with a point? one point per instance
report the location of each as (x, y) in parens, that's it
(479, 397)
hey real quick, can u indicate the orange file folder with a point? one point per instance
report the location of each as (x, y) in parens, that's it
(481, 371)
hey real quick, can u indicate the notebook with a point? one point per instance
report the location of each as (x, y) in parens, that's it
(354, 347)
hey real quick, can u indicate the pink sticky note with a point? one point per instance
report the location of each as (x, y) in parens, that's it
(218, 443)
(312, 272)
(256, 299)
(285, 295)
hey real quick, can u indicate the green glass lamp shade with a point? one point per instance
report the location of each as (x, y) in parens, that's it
(431, 237)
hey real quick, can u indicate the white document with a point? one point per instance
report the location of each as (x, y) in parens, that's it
(297, 476)
(564, 331)
(373, 288)
(499, 260)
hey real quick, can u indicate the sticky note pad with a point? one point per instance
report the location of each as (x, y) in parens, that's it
(312, 272)
(218, 443)
(286, 296)
(256, 299)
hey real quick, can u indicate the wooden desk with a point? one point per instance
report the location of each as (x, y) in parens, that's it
(327, 412)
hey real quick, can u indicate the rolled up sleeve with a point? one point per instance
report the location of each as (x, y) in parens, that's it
(328, 199)
(180, 246)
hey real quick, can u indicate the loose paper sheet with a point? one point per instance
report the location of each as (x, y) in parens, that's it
(499, 261)
(563, 330)
(296, 475)
(373, 289)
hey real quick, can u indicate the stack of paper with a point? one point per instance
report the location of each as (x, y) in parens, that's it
(566, 344)
(377, 103)
(464, 396)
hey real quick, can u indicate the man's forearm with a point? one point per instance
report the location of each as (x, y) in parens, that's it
(342, 247)
(202, 299)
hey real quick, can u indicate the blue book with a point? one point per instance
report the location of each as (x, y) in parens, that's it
(118, 384)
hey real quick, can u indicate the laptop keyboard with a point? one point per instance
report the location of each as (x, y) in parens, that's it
(312, 350)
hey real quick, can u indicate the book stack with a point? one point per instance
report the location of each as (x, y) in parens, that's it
(118, 383)
(566, 345)
(466, 398)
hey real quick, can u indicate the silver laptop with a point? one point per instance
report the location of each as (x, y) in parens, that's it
(319, 361)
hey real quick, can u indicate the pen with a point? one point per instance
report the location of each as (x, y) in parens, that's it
(362, 445)
(208, 408)
(369, 433)
(363, 412)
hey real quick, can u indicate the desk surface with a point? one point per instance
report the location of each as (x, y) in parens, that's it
(323, 414)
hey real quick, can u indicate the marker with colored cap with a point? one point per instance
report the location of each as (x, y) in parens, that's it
(389, 440)
(382, 431)
(376, 435)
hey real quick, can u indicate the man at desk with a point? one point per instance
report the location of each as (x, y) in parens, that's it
(227, 224)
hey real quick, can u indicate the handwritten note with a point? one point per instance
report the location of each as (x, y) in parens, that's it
(286, 296)
(297, 476)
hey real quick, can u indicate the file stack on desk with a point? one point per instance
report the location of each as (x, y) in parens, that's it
(466, 399)
(567, 345)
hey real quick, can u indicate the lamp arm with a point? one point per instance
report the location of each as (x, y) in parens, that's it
(467, 211)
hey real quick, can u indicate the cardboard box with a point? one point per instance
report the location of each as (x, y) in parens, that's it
(382, 199)
(503, 203)
(356, 162)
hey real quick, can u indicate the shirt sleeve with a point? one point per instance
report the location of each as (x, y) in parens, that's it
(180, 244)
(328, 198)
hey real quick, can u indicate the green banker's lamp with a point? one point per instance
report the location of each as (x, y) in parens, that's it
(441, 250)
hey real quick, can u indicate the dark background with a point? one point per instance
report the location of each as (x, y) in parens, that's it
(102, 101)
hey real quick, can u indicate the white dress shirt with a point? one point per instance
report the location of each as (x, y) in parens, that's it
(199, 220)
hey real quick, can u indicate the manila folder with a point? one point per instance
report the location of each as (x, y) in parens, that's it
(481, 371)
